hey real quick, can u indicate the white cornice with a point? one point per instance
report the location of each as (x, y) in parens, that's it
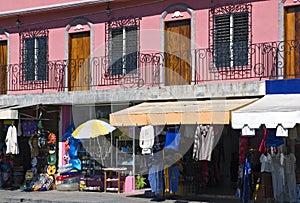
(50, 7)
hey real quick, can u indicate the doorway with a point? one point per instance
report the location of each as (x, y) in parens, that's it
(177, 52)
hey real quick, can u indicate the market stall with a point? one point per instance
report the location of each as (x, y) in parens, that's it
(270, 129)
(175, 125)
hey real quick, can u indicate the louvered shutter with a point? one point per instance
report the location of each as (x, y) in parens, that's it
(116, 51)
(131, 49)
(222, 41)
(240, 38)
(28, 65)
(42, 58)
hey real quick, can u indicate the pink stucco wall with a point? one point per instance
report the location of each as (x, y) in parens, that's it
(21, 5)
(264, 23)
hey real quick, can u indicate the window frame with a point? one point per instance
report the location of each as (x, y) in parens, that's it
(231, 11)
(122, 24)
(39, 57)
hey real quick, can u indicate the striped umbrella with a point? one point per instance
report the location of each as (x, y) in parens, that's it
(92, 128)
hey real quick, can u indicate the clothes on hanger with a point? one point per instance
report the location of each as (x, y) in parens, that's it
(11, 140)
(272, 140)
(290, 177)
(172, 138)
(204, 142)
(247, 181)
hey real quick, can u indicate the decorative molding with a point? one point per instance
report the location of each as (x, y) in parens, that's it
(177, 14)
(79, 27)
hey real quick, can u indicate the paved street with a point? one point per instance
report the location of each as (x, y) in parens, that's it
(13, 196)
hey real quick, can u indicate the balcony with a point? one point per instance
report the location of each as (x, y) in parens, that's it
(265, 61)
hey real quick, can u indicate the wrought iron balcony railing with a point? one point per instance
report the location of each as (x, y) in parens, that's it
(271, 60)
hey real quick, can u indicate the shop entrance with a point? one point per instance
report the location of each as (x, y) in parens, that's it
(219, 176)
(31, 156)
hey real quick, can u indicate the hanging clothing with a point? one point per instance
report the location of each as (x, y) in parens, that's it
(278, 179)
(262, 146)
(173, 173)
(247, 181)
(34, 147)
(272, 140)
(11, 140)
(242, 148)
(156, 178)
(204, 142)
(290, 177)
(146, 139)
(172, 139)
(266, 163)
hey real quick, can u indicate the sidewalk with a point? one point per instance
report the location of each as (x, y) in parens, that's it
(54, 196)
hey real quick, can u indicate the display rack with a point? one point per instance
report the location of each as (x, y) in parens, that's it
(114, 179)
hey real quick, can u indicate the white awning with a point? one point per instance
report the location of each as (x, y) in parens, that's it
(178, 112)
(8, 114)
(270, 110)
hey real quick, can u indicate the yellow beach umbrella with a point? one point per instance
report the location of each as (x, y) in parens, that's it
(92, 128)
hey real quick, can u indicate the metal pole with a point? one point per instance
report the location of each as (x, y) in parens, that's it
(117, 148)
(133, 151)
(111, 150)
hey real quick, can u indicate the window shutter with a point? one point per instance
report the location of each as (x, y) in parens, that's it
(42, 58)
(131, 49)
(28, 65)
(222, 40)
(240, 38)
(116, 51)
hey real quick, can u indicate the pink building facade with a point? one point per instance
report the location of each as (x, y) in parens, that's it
(60, 21)
(108, 55)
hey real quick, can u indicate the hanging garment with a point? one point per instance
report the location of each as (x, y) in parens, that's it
(278, 179)
(204, 142)
(172, 139)
(290, 177)
(156, 178)
(242, 148)
(247, 183)
(266, 163)
(173, 177)
(34, 146)
(204, 173)
(272, 140)
(262, 146)
(11, 140)
(146, 139)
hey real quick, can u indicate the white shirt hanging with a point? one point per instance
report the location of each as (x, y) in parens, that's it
(11, 140)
